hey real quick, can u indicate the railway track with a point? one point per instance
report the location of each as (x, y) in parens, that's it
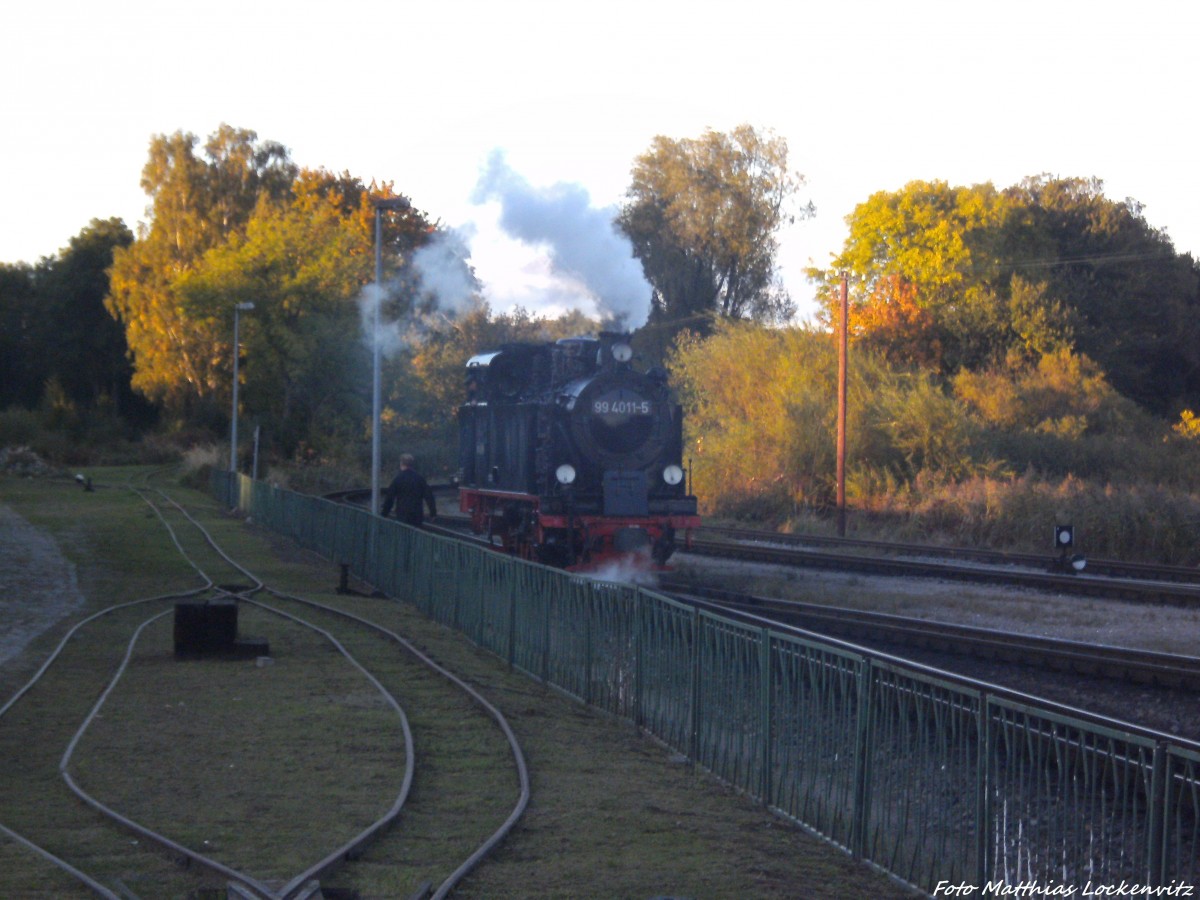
(382, 662)
(1127, 581)
(1036, 561)
(1131, 581)
(1117, 579)
(1115, 663)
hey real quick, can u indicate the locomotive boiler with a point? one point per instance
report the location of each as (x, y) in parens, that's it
(571, 457)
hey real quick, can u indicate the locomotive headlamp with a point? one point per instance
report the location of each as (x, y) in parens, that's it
(565, 474)
(622, 353)
(672, 475)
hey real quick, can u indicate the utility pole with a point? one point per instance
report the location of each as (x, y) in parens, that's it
(843, 339)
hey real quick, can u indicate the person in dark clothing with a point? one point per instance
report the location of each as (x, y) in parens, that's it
(408, 492)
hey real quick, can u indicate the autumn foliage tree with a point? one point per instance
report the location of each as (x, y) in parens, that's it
(303, 261)
(918, 260)
(243, 225)
(760, 413)
(198, 202)
(892, 323)
(1129, 301)
(973, 278)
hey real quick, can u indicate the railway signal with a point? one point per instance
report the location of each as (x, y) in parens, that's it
(1064, 536)
(1064, 540)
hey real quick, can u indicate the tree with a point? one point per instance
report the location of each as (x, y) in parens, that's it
(304, 263)
(54, 328)
(88, 352)
(21, 378)
(1128, 300)
(926, 250)
(760, 414)
(702, 215)
(198, 203)
(972, 278)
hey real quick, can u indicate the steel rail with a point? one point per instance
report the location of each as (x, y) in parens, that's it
(1127, 589)
(150, 834)
(322, 866)
(34, 679)
(1111, 568)
(522, 768)
(1101, 660)
(883, 658)
(523, 773)
(62, 864)
(241, 879)
(514, 745)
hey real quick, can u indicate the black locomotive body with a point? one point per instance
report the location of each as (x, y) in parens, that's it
(570, 456)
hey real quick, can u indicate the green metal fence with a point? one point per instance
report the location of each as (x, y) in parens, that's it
(934, 781)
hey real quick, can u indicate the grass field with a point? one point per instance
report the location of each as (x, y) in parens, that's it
(612, 813)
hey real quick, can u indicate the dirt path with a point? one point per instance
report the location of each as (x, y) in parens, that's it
(37, 583)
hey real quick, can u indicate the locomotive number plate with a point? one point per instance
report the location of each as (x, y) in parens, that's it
(621, 408)
(617, 406)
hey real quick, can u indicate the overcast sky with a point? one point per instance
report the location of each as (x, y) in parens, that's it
(868, 95)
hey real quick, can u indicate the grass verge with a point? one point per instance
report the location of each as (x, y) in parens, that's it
(612, 814)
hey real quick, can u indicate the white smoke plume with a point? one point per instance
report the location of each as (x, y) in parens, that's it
(444, 271)
(439, 279)
(391, 334)
(581, 240)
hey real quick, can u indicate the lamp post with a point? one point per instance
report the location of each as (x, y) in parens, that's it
(238, 308)
(381, 204)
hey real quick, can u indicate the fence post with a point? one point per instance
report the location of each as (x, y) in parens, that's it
(765, 731)
(694, 689)
(983, 800)
(588, 597)
(639, 606)
(1157, 811)
(512, 629)
(547, 615)
(862, 764)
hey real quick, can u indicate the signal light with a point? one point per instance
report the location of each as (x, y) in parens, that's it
(1064, 536)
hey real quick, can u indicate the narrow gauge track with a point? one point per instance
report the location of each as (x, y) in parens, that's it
(1109, 568)
(1115, 663)
(1141, 582)
(1121, 664)
(201, 543)
(1108, 662)
(790, 550)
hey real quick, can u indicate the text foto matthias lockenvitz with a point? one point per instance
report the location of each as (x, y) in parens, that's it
(1035, 889)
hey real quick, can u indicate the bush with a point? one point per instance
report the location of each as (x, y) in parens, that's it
(1136, 521)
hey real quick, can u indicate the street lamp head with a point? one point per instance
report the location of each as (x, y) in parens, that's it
(244, 306)
(392, 203)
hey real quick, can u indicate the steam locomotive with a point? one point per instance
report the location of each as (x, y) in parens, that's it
(571, 457)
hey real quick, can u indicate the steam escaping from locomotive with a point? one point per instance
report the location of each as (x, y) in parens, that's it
(441, 280)
(377, 329)
(581, 240)
(592, 267)
(443, 269)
